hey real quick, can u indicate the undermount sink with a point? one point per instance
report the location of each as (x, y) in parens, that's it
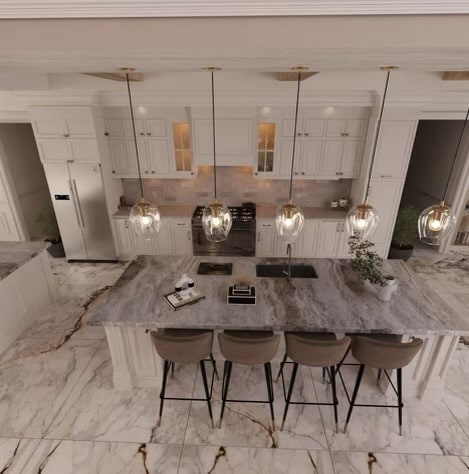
(281, 270)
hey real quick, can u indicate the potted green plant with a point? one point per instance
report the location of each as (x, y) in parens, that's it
(368, 264)
(50, 230)
(405, 231)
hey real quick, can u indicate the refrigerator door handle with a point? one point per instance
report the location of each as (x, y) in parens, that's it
(76, 201)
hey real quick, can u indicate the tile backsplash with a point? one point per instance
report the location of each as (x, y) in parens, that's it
(236, 184)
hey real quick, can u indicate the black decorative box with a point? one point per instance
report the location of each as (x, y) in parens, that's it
(241, 294)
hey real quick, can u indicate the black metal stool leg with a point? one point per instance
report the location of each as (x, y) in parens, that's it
(334, 397)
(270, 390)
(163, 389)
(290, 390)
(226, 383)
(214, 364)
(399, 398)
(207, 393)
(281, 366)
(354, 395)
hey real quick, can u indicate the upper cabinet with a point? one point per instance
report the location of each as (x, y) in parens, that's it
(394, 148)
(266, 160)
(325, 149)
(164, 146)
(65, 134)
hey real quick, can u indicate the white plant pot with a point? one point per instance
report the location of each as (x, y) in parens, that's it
(385, 292)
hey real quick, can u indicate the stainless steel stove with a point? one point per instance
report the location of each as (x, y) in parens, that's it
(241, 239)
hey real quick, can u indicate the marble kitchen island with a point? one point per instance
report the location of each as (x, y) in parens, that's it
(337, 301)
(26, 283)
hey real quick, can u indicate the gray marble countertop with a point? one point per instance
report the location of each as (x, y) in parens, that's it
(14, 255)
(336, 301)
(262, 212)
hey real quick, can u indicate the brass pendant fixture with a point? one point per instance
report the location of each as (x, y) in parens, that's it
(289, 218)
(437, 222)
(145, 218)
(362, 220)
(216, 218)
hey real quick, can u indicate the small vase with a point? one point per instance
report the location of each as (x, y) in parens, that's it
(385, 292)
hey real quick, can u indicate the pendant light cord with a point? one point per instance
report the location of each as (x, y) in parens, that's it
(214, 140)
(456, 155)
(134, 133)
(294, 135)
(378, 129)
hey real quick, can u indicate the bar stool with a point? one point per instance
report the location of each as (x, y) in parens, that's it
(248, 348)
(313, 350)
(382, 353)
(185, 346)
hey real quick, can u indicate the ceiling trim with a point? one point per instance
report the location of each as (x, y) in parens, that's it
(10, 9)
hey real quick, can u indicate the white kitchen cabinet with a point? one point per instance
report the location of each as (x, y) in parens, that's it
(154, 157)
(122, 156)
(394, 148)
(163, 241)
(307, 158)
(332, 239)
(341, 159)
(385, 195)
(346, 128)
(63, 122)
(234, 142)
(142, 246)
(124, 239)
(68, 150)
(182, 236)
(265, 241)
(306, 245)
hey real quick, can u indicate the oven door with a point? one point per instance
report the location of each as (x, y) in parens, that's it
(239, 242)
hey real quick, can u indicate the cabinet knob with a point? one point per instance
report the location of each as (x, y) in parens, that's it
(106, 134)
(142, 134)
(146, 172)
(192, 172)
(299, 134)
(113, 171)
(339, 173)
(256, 173)
(302, 172)
(152, 172)
(149, 133)
(66, 135)
(306, 134)
(296, 172)
(344, 134)
(126, 224)
(188, 235)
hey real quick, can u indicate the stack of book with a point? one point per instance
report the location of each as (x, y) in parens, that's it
(178, 300)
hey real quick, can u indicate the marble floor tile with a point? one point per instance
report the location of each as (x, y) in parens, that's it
(36, 381)
(456, 395)
(85, 457)
(222, 460)
(14, 454)
(386, 463)
(95, 411)
(428, 426)
(249, 424)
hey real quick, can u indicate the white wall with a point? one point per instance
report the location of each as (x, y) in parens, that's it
(26, 175)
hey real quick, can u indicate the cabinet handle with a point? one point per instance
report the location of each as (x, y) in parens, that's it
(189, 235)
(386, 176)
(106, 134)
(339, 173)
(126, 224)
(344, 134)
(258, 236)
(266, 225)
(180, 223)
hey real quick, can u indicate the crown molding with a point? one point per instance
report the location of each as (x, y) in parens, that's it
(225, 8)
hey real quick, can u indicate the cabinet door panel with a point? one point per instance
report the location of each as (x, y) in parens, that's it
(331, 158)
(141, 246)
(139, 128)
(84, 151)
(157, 159)
(265, 242)
(48, 128)
(393, 149)
(385, 197)
(310, 157)
(305, 247)
(286, 156)
(121, 157)
(124, 241)
(53, 150)
(80, 124)
(335, 128)
(328, 236)
(182, 236)
(288, 127)
(356, 128)
(155, 127)
(163, 242)
(115, 128)
(351, 158)
(313, 128)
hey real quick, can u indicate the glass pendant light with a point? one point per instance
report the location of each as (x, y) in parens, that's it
(438, 221)
(363, 219)
(289, 219)
(216, 218)
(145, 218)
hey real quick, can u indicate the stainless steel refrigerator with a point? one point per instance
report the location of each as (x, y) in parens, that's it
(77, 193)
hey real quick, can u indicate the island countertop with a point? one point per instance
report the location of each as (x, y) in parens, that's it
(14, 255)
(337, 301)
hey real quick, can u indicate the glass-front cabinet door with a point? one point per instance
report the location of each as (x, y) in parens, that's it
(182, 149)
(265, 149)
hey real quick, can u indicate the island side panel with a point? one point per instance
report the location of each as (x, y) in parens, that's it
(135, 361)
